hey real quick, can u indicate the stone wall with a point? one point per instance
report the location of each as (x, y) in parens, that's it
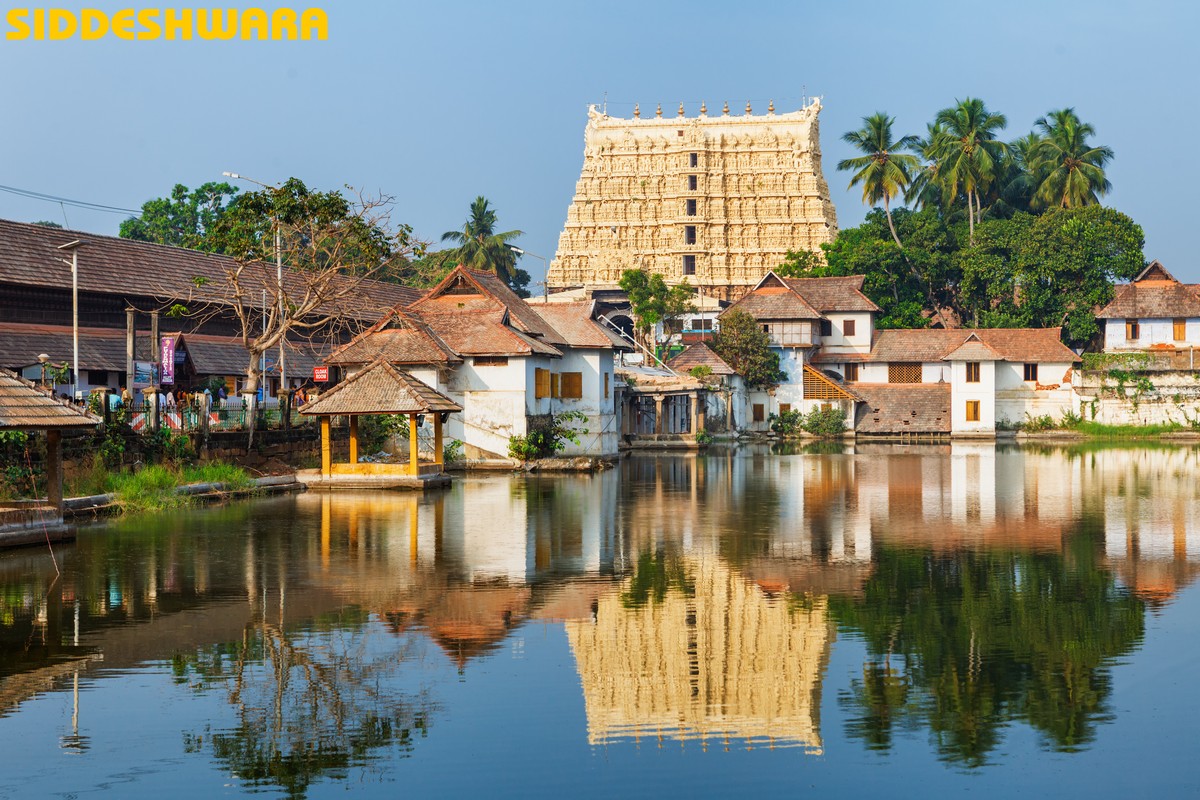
(1147, 397)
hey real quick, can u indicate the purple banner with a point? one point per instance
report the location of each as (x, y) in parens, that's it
(168, 359)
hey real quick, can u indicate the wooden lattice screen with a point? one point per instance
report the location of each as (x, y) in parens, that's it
(904, 372)
(818, 387)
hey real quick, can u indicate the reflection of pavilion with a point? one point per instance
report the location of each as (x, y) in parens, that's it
(726, 663)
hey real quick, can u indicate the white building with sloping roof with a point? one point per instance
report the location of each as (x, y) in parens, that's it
(1153, 312)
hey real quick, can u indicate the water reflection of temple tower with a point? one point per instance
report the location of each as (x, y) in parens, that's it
(715, 661)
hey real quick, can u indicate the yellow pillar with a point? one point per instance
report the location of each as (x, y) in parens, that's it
(414, 468)
(326, 450)
(437, 440)
(354, 440)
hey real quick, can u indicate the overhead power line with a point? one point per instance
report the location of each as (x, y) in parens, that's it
(52, 198)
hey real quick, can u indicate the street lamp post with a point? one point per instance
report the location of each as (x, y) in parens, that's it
(545, 266)
(278, 281)
(73, 248)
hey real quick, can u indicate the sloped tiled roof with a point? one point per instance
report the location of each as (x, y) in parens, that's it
(99, 348)
(700, 355)
(473, 290)
(484, 333)
(380, 388)
(934, 344)
(774, 300)
(1154, 294)
(29, 256)
(973, 349)
(903, 408)
(23, 406)
(576, 327)
(221, 355)
(833, 294)
(400, 338)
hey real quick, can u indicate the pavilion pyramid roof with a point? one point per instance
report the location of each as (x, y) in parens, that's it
(25, 407)
(380, 388)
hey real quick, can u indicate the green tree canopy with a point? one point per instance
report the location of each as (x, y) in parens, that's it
(183, 219)
(746, 348)
(653, 301)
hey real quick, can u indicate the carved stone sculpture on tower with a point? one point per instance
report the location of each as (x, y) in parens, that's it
(715, 201)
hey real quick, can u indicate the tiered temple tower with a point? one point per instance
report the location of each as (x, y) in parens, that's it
(716, 200)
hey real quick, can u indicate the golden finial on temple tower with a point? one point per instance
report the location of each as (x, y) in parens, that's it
(658, 113)
(771, 107)
(748, 112)
(681, 109)
(725, 110)
(703, 107)
(637, 111)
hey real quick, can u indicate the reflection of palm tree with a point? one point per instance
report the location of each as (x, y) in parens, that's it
(480, 247)
(988, 638)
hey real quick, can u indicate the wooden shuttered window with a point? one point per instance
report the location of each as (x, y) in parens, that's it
(1133, 331)
(972, 411)
(904, 372)
(848, 328)
(785, 408)
(555, 385)
(760, 413)
(1031, 372)
(972, 372)
(572, 385)
(1179, 327)
(851, 372)
(541, 383)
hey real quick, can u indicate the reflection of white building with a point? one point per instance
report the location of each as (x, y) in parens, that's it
(726, 662)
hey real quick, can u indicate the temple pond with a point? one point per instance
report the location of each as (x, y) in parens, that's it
(908, 620)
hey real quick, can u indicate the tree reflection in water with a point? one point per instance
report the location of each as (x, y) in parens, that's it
(312, 703)
(966, 642)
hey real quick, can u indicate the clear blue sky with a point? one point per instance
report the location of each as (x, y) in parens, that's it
(436, 103)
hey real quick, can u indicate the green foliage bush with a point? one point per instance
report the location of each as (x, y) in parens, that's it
(549, 440)
(823, 422)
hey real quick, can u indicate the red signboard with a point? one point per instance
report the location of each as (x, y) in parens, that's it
(321, 374)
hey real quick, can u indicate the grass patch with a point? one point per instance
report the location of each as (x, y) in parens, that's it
(1103, 431)
(153, 488)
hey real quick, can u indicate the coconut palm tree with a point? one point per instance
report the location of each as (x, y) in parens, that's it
(927, 190)
(480, 247)
(883, 170)
(969, 155)
(1073, 170)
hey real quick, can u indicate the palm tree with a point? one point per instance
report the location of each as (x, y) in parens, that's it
(1023, 172)
(969, 155)
(480, 247)
(883, 171)
(1073, 171)
(927, 190)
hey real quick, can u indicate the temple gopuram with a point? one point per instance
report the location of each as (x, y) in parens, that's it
(713, 200)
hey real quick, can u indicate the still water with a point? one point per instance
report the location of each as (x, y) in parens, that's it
(904, 620)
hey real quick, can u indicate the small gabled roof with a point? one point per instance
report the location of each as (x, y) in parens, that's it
(25, 407)
(773, 298)
(380, 388)
(1153, 294)
(700, 355)
(484, 333)
(400, 338)
(973, 349)
(474, 290)
(1155, 271)
(833, 294)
